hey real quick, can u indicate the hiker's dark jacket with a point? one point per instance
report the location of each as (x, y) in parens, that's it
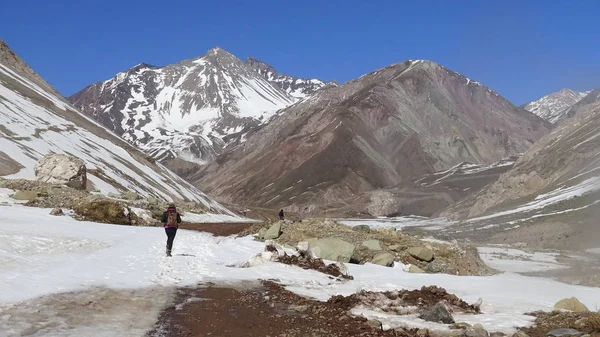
(165, 217)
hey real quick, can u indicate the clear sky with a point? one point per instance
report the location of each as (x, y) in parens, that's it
(522, 49)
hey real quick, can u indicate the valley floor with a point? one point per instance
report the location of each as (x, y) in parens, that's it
(62, 277)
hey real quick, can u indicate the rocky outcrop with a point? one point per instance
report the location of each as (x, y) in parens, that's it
(421, 253)
(385, 259)
(438, 314)
(103, 210)
(62, 169)
(387, 128)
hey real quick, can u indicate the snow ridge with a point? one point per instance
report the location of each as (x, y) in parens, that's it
(189, 110)
(552, 107)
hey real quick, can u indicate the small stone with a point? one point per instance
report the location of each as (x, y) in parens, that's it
(415, 270)
(477, 331)
(520, 333)
(497, 334)
(457, 333)
(375, 324)
(437, 313)
(478, 326)
(261, 233)
(461, 325)
(57, 212)
(565, 333)
(423, 332)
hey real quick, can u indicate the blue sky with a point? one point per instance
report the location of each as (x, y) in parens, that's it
(522, 49)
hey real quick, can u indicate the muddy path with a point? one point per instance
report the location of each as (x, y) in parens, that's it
(259, 310)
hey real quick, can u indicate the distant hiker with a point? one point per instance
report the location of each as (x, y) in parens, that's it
(171, 220)
(281, 215)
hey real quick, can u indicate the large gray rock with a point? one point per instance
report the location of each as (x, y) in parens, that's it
(415, 270)
(421, 253)
(385, 259)
(372, 244)
(571, 304)
(24, 195)
(273, 232)
(438, 314)
(565, 333)
(62, 169)
(332, 249)
(130, 195)
(362, 228)
(57, 212)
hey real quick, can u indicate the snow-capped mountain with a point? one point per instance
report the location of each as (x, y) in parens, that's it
(553, 106)
(383, 129)
(35, 120)
(188, 110)
(297, 87)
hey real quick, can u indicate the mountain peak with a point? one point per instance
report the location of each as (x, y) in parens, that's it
(553, 107)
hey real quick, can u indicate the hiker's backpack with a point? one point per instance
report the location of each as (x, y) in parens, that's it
(172, 219)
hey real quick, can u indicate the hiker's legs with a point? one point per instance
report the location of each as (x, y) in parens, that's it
(170, 237)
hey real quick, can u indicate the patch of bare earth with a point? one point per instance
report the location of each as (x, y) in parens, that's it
(8, 165)
(586, 322)
(306, 262)
(262, 311)
(218, 229)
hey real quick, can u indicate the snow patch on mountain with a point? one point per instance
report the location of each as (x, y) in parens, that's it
(553, 106)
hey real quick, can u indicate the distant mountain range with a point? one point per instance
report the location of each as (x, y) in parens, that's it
(190, 111)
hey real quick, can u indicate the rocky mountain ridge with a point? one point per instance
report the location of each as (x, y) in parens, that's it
(393, 125)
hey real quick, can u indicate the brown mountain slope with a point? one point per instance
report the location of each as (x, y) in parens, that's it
(391, 126)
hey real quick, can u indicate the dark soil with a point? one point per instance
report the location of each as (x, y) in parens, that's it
(218, 229)
(262, 311)
(306, 262)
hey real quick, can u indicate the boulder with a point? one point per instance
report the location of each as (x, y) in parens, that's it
(497, 334)
(520, 333)
(273, 232)
(362, 228)
(371, 245)
(24, 195)
(130, 195)
(421, 253)
(438, 314)
(57, 212)
(103, 210)
(385, 259)
(571, 304)
(62, 169)
(261, 233)
(564, 333)
(477, 331)
(397, 248)
(332, 249)
(457, 333)
(375, 324)
(415, 270)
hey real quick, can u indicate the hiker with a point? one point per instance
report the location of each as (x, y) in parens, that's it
(281, 215)
(171, 220)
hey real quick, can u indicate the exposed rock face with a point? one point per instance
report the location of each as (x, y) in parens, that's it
(296, 87)
(184, 112)
(62, 169)
(388, 127)
(566, 158)
(103, 210)
(553, 107)
(35, 121)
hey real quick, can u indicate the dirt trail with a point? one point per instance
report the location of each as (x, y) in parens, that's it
(217, 229)
(260, 311)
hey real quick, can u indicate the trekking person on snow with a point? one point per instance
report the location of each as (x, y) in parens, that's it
(281, 215)
(171, 220)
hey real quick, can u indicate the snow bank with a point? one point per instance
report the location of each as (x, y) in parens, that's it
(214, 218)
(41, 254)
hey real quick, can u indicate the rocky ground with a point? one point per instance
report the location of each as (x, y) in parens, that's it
(380, 246)
(582, 323)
